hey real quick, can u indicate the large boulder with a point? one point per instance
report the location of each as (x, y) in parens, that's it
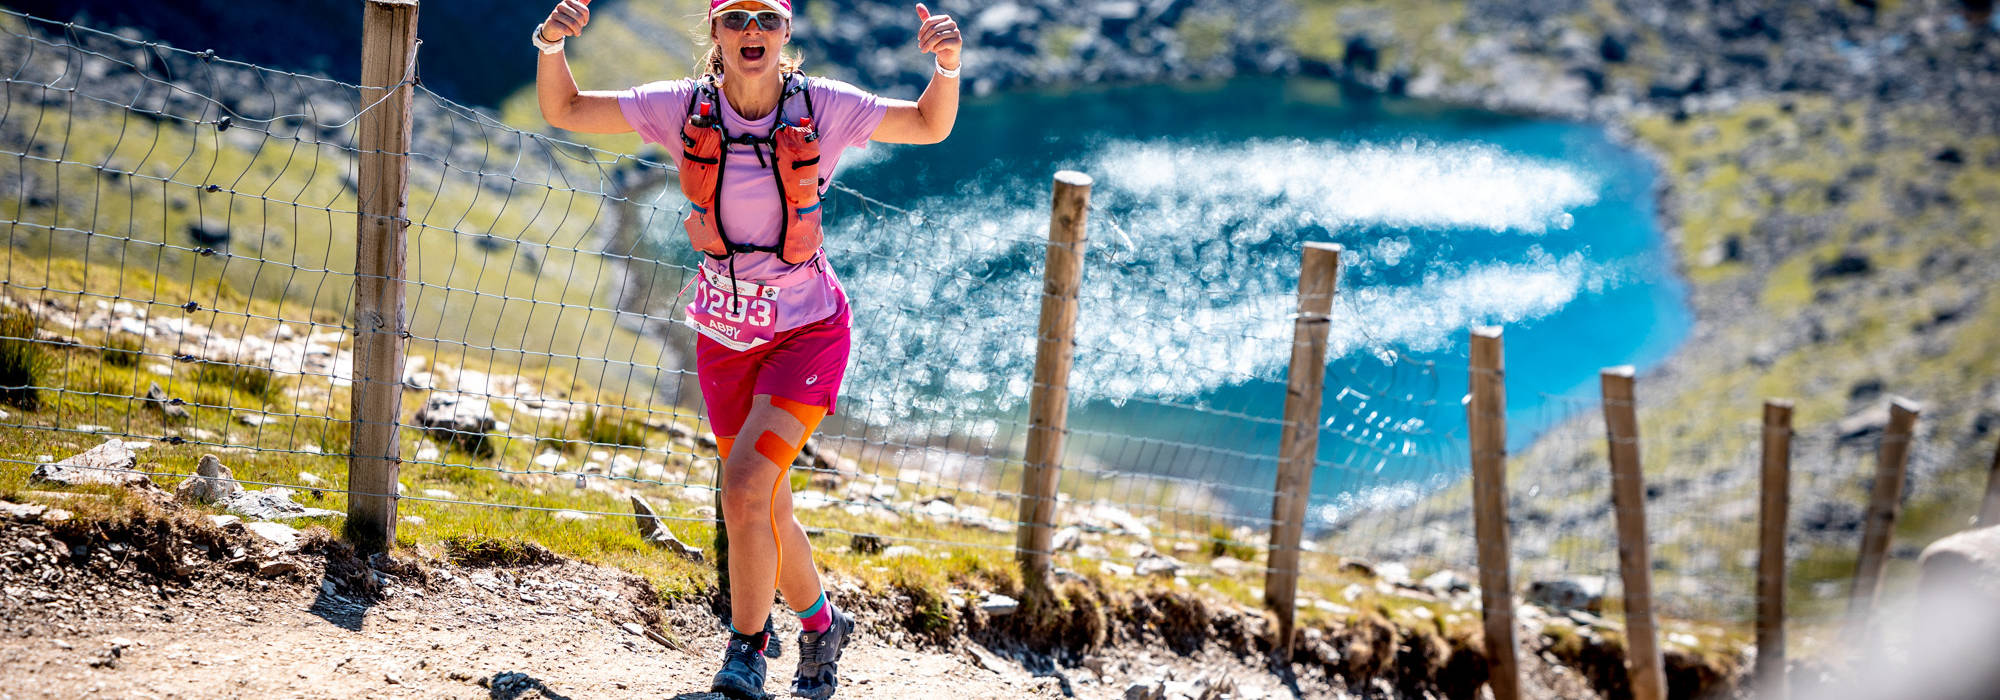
(458, 419)
(1967, 563)
(111, 463)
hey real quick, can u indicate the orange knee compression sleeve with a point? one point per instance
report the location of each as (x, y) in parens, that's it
(781, 453)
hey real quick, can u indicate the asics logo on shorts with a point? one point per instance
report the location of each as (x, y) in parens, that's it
(811, 379)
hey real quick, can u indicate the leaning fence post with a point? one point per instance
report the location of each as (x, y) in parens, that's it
(1771, 682)
(389, 44)
(1628, 496)
(1486, 419)
(1048, 399)
(1883, 505)
(1989, 514)
(1319, 277)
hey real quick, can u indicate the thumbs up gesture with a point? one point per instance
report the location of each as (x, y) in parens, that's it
(566, 20)
(938, 34)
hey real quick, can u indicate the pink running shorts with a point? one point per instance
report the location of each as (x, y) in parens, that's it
(804, 364)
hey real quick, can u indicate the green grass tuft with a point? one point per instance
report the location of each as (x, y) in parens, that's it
(122, 350)
(601, 429)
(24, 363)
(255, 381)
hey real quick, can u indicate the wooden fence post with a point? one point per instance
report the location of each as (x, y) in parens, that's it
(1771, 681)
(1883, 504)
(389, 45)
(1048, 399)
(1319, 278)
(1486, 418)
(1989, 514)
(1635, 562)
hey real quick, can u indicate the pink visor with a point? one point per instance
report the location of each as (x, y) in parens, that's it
(782, 7)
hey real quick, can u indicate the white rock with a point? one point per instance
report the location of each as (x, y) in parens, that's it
(224, 520)
(599, 455)
(624, 465)
(549, 460)
(573, 516)
(427, 452)
(440, 494)
(285, 536)
(900, 551)
(310, 479)
(810, 500)
(93, 429)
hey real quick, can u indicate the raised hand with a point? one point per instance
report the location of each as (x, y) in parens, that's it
(566, 20)
(938, 34)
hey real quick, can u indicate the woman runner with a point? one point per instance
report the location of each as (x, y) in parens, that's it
(755, 142)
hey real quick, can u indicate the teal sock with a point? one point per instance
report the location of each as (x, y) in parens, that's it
(818, 617)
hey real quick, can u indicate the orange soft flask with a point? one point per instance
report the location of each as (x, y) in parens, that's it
(798, 173)
(701, 174)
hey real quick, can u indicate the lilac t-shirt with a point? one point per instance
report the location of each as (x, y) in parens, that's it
(753, 208)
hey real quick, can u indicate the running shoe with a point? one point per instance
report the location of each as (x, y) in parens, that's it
(742, 674)
(819, 657)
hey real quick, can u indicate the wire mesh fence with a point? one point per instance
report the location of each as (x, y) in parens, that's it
(178, 228)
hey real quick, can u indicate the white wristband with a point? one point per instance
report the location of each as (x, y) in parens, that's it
(953, 74)
(547, 46)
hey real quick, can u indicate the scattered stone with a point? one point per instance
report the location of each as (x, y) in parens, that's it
(224, 520)
(1446, 582)
(109, 463)
(656, 533)
(458, 419)
(1066, 539)
(900, 551)
(1584, 593)
(272, 504)
(211, 483)
(867, 544)
(1394, 572)
(158, 399)
(440, 494)
(997, 605)
(311, 479)
(284, 536)
(428, 452)
(573, 516)
(276, 568)
(1157, 564)
(1356, 566)
(549, 460)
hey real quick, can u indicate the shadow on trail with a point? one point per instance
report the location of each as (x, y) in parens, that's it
(514, 685)
(340, 611)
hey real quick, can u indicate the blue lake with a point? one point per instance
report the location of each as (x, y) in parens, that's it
(1204, 195)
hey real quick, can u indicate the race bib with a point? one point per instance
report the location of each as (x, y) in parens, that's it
(740, 315)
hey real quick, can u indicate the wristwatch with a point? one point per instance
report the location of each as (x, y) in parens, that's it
(547, 46)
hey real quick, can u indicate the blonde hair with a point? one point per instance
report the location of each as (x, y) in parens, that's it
(711, 59)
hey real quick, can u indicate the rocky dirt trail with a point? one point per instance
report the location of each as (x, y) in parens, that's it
(159, 608)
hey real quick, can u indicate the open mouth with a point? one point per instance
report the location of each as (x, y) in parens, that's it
(753, 53)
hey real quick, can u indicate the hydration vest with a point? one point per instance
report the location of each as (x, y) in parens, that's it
(794, 153)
